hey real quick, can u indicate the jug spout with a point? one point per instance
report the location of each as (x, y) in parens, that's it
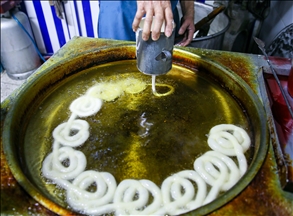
(165, 55)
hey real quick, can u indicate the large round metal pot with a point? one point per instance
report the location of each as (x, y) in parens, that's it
(25, 164)
(215, 36)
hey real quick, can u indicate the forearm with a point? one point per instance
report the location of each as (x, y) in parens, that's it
(187, 8)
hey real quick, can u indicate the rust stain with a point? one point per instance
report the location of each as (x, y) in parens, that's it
(7, 179)
(239, 64)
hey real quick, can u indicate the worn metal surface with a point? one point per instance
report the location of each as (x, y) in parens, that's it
(282, 119)
(263, 195)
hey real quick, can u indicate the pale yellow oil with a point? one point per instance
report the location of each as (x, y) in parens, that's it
(136, 136)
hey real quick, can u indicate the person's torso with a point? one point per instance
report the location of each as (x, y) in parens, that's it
(116, 17)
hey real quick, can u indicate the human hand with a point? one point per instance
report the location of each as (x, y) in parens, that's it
(161, 10)
(187, 28)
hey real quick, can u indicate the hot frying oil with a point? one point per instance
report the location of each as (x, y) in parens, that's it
(136, 136)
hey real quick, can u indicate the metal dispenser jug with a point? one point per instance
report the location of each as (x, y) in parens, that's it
(154, 57)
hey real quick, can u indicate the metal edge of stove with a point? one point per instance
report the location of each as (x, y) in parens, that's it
(280, 160)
